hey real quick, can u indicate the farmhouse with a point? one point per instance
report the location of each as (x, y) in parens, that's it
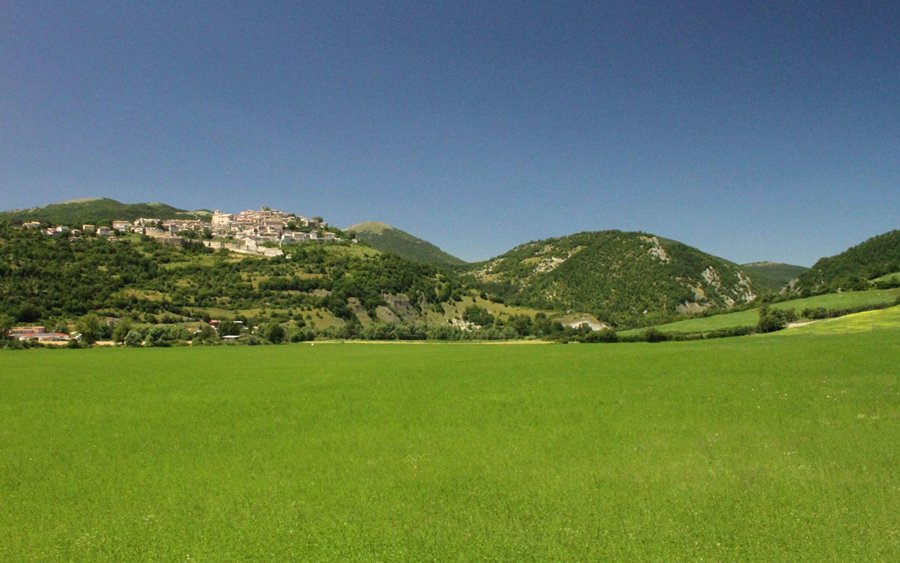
(121, 226)
(294, 237)
(37, 333)
(592, 324)
(144, 222)
(16, 330)
(177, 225)
(220, 219)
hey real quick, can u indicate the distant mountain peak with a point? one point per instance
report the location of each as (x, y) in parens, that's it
(371, 227)
(83, 200)
(388, 238)
(75, 212)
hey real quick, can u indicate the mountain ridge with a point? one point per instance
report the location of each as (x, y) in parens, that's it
(624, 278)
(76, 212)
(388, 238)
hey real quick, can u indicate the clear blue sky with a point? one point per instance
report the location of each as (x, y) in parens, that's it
(752, 130)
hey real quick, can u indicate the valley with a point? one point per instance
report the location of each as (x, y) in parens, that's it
(183, 439)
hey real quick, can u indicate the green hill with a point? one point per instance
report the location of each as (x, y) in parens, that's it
(338, 290)
(853, 268)
(625, 278)
(93, 210)
(387, 238)
(773, 276)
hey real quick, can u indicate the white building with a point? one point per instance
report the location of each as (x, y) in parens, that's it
(220, 219)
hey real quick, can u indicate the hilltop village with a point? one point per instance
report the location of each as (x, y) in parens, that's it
(262, 232)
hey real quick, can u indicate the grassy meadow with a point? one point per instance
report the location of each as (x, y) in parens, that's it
(757, 448)
(865, 321)
(750, 317)
(894, 277)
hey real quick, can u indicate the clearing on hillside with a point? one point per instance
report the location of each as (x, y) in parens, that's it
(749, 318)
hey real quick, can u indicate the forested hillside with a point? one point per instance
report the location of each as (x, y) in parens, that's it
(772, 276)
(319, 289)
(43, 277)
(853, 268)
(625, 278)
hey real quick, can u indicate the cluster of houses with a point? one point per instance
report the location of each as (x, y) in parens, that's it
(64, 230)
(262, 231)
(270, 225)
(38, 333)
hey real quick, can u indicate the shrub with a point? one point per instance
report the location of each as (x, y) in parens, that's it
(121, 330)
(230, 328)
(158, 336)
(206, 335)
(135, 337)
(654, 335)
(604, 335)
(771, 320)
(274, 333)
(728, 332)
(478, 315)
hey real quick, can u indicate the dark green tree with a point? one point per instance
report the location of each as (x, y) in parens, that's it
(274, 333)
(91, 328)
(654, 335)
(121, 330)
(134, 338)
(206, 335)
(478, 315)
(771, 319)
(6, 323)
(230, 328)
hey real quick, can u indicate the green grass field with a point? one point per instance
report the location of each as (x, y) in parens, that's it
(760, 448)
(857, 322)
(895, 276)
(750, 317)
